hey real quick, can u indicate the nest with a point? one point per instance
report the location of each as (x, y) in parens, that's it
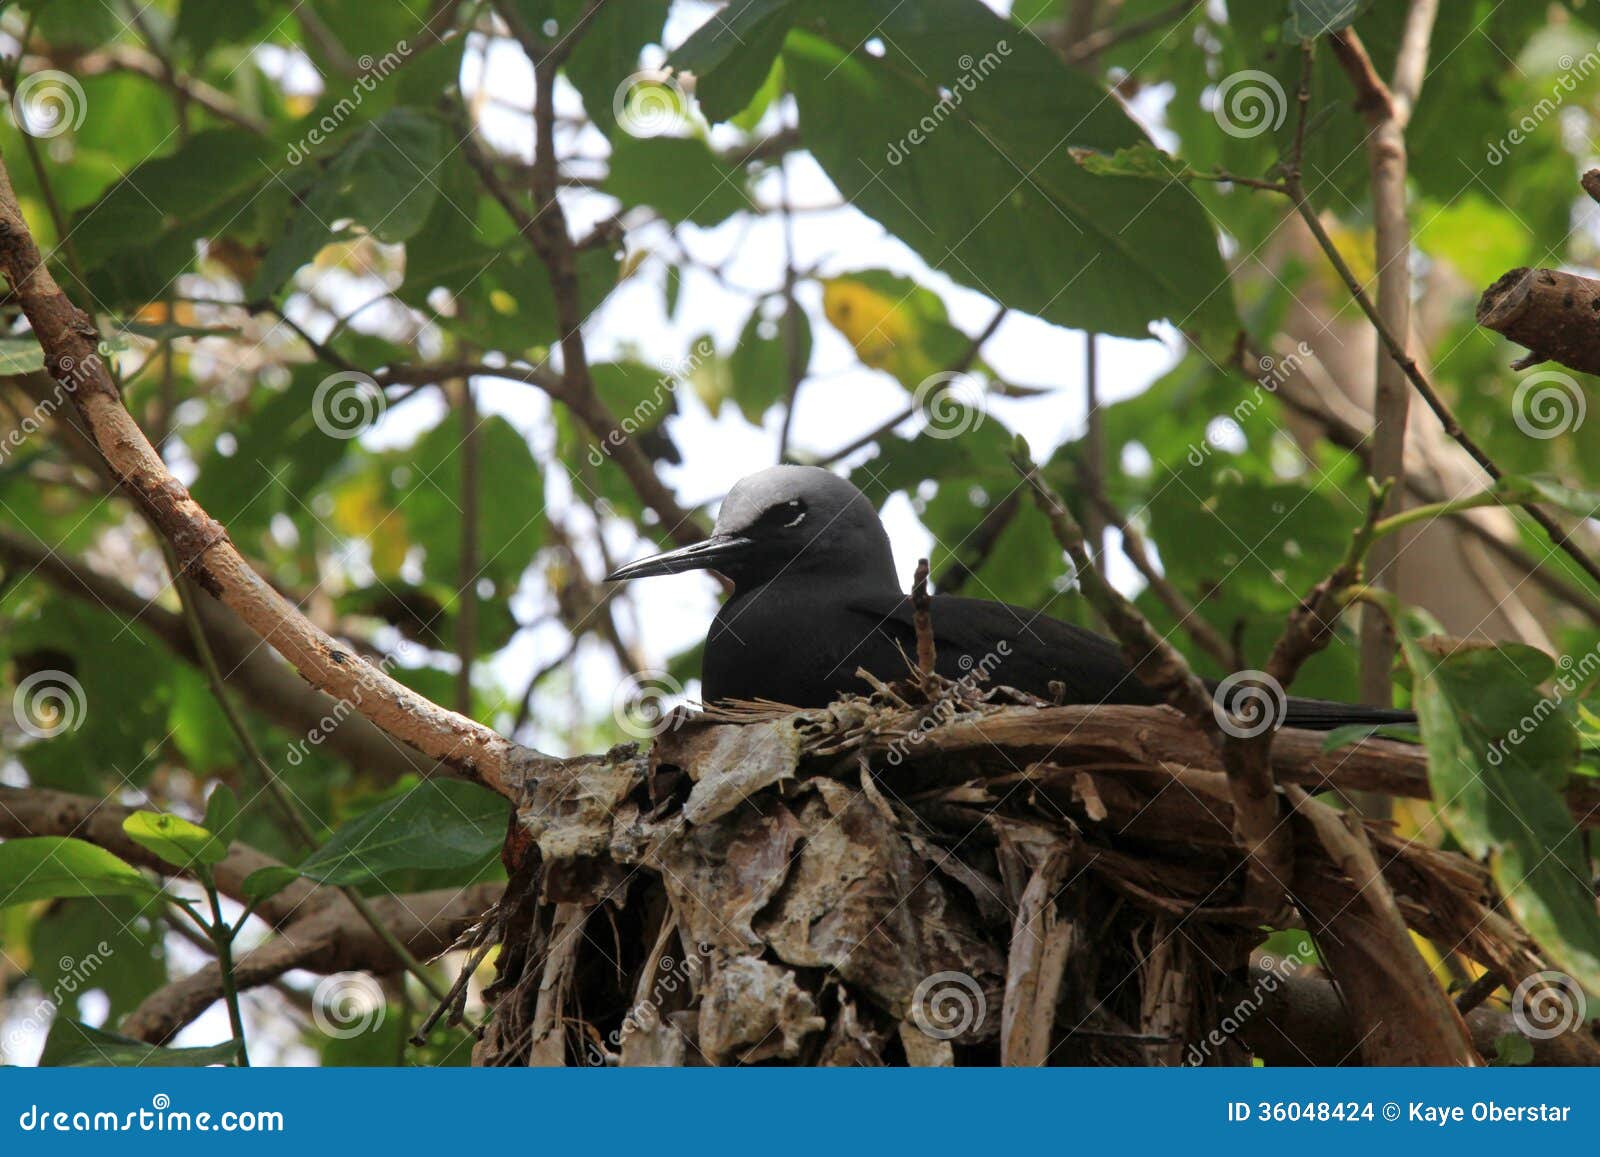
(933, 875)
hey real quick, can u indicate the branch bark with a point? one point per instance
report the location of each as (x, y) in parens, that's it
(1387, 111)
(72, 357)
(326, 939)
(1555, 314)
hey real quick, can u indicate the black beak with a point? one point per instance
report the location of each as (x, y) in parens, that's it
(706, 555)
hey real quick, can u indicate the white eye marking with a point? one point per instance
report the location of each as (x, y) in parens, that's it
(796, 521)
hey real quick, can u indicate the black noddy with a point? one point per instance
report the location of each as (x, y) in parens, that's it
(816, 596)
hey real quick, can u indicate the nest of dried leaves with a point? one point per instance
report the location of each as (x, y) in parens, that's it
(939, 875)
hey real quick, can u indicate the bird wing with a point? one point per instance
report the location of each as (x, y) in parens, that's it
(1015, 647)
(1040, 650)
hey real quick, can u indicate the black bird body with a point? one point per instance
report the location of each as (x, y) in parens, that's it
(816, 597)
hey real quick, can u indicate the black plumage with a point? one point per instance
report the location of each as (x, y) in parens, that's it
(816, 597)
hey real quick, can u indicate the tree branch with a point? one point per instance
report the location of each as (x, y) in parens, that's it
(327, 940)
(72, 357)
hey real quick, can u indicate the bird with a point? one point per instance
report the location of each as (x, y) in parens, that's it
(816, 597)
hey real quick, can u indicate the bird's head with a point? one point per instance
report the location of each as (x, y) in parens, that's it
(785, 520)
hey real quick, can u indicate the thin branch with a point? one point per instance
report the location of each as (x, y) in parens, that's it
(1205, 636)
(1424, 386)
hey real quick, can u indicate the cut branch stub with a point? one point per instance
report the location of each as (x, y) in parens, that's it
(1555, 314)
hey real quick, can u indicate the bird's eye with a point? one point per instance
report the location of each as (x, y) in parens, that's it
(785, 514)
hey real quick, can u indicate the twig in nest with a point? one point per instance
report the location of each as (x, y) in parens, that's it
(922, 608)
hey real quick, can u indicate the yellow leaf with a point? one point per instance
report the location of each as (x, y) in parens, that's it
(874, 324)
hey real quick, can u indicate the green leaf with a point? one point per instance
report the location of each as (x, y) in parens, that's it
(439, 825)
(1309, 19)
(1138, 161)
(1518, 488)
(608, 54)
(206, 23)
(380, 176)
(264, 883)
(142, 232)
(679, 177)
(731, 54)
(1512, 1048)
(760, 362)
(1499, 753)
(48, 867)
(222, 815)
(1355, 732)
(20, 355)
(959, 139)
(74, 1045)
(173, 838)
(510, 518)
